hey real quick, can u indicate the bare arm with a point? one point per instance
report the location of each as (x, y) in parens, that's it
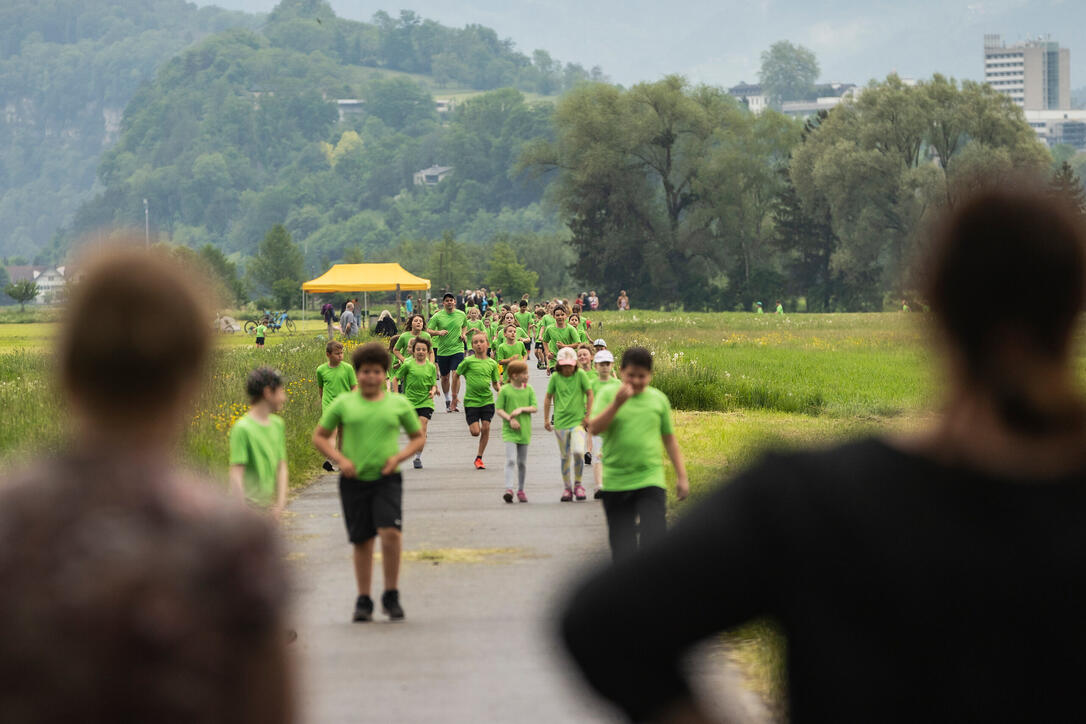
(598, 424)
(322, 440)
(237, 481)
(547, 412)
(682, 483)
(281, 478)
(588, 407)
(414, 444)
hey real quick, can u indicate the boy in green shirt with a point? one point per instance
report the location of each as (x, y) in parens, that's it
(560, 336)
(448, 326)
(571, 394)
(260, 331)
(525, 321)
(516, 403)
(479, 373)
(258, 444)
(510, 350)
(370, 485)
(334, 377)
(419, 377)
(635, 422)
(605, 362)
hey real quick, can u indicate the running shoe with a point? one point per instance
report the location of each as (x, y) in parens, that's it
(390, 604)
(363, 609)
(588, 458)
(479, 464)
(598, 494)
(567, 495)
(521, 496)
(448, 406)
(508, 497)
(328, 465)
(417, 463)
(578, 492)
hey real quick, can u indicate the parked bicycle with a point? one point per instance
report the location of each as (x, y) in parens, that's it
(274, 322)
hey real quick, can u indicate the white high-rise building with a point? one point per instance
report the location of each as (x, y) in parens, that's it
(1035, 74)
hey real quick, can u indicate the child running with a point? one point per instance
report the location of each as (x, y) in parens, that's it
(604, 361)
(516, 403)
(510, 350)
(540, 348)
(334, 377)
(635, 422)
(415, 327)
(371, 486)
(480, 372)
(559, 336)
(475, 324)
(258, 445)
(418, 375)
(571, 395)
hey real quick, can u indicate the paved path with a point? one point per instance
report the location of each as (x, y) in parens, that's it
(478, 643)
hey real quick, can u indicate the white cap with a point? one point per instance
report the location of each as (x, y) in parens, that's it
(599, 343)
(604, 356)
(566, 356)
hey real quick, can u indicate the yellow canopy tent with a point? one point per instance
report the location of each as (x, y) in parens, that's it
(367, 278)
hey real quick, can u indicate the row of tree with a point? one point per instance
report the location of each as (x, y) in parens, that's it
(680, 193)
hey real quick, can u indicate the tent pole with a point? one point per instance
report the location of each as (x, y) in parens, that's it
(366, 307)
(303, 305)
(399, 318)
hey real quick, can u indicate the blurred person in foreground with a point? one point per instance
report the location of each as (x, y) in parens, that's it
(131, 591)
(935, 577)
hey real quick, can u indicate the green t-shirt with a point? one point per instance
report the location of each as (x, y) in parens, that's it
(260, 330)
(509, 399)
(506, 351)
(475, 324)
(450, 344)
(632, 443)
(478, 374)
(405, 339)
(597, 385)
(780, 309)
(560, 335)
(569, 398)
(525, 320)
(334, 381)
(371, 428)
(259, 448)
(418, 380)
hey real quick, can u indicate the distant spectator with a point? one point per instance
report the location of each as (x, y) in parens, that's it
(386, 325)
(329, 314)
(348, 323)
(623, 301)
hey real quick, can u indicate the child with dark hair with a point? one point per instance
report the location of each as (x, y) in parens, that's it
(480, 373)
(133, 591)
(258, 444)
(370, 486)
(418, 375)
(634, 420)
(334, 377)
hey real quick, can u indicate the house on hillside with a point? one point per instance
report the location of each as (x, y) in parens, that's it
(750, 95)
(444, 107)
(51, 281)
(432, 176)
(350, 107)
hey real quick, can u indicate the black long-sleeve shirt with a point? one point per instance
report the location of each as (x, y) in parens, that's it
(907, 590)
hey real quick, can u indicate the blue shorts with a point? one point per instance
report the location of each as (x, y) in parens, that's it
(449, 363)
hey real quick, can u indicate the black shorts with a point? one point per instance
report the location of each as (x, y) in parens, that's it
(260, 340)
(448, 363)
(371, 504)
(427, 412)
(475, 414)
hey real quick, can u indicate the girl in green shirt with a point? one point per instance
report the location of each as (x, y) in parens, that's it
(570, 392)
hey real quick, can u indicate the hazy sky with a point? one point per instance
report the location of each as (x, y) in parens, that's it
(719, 41)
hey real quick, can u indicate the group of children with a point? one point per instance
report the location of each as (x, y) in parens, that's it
(621, 427)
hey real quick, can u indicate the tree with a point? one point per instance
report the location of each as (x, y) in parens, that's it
(656, 181)
(1067, 185)
(868, 168)
(399, 102)
(448, 266)
(278, 265)
(788, 73)
(22, 292)
(224, 270)
(509, 275)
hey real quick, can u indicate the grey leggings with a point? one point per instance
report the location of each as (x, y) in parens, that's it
(516, 464)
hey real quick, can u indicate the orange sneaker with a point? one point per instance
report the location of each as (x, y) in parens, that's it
(479, 464)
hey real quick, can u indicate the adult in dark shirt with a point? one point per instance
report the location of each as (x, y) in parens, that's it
(937, 577)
